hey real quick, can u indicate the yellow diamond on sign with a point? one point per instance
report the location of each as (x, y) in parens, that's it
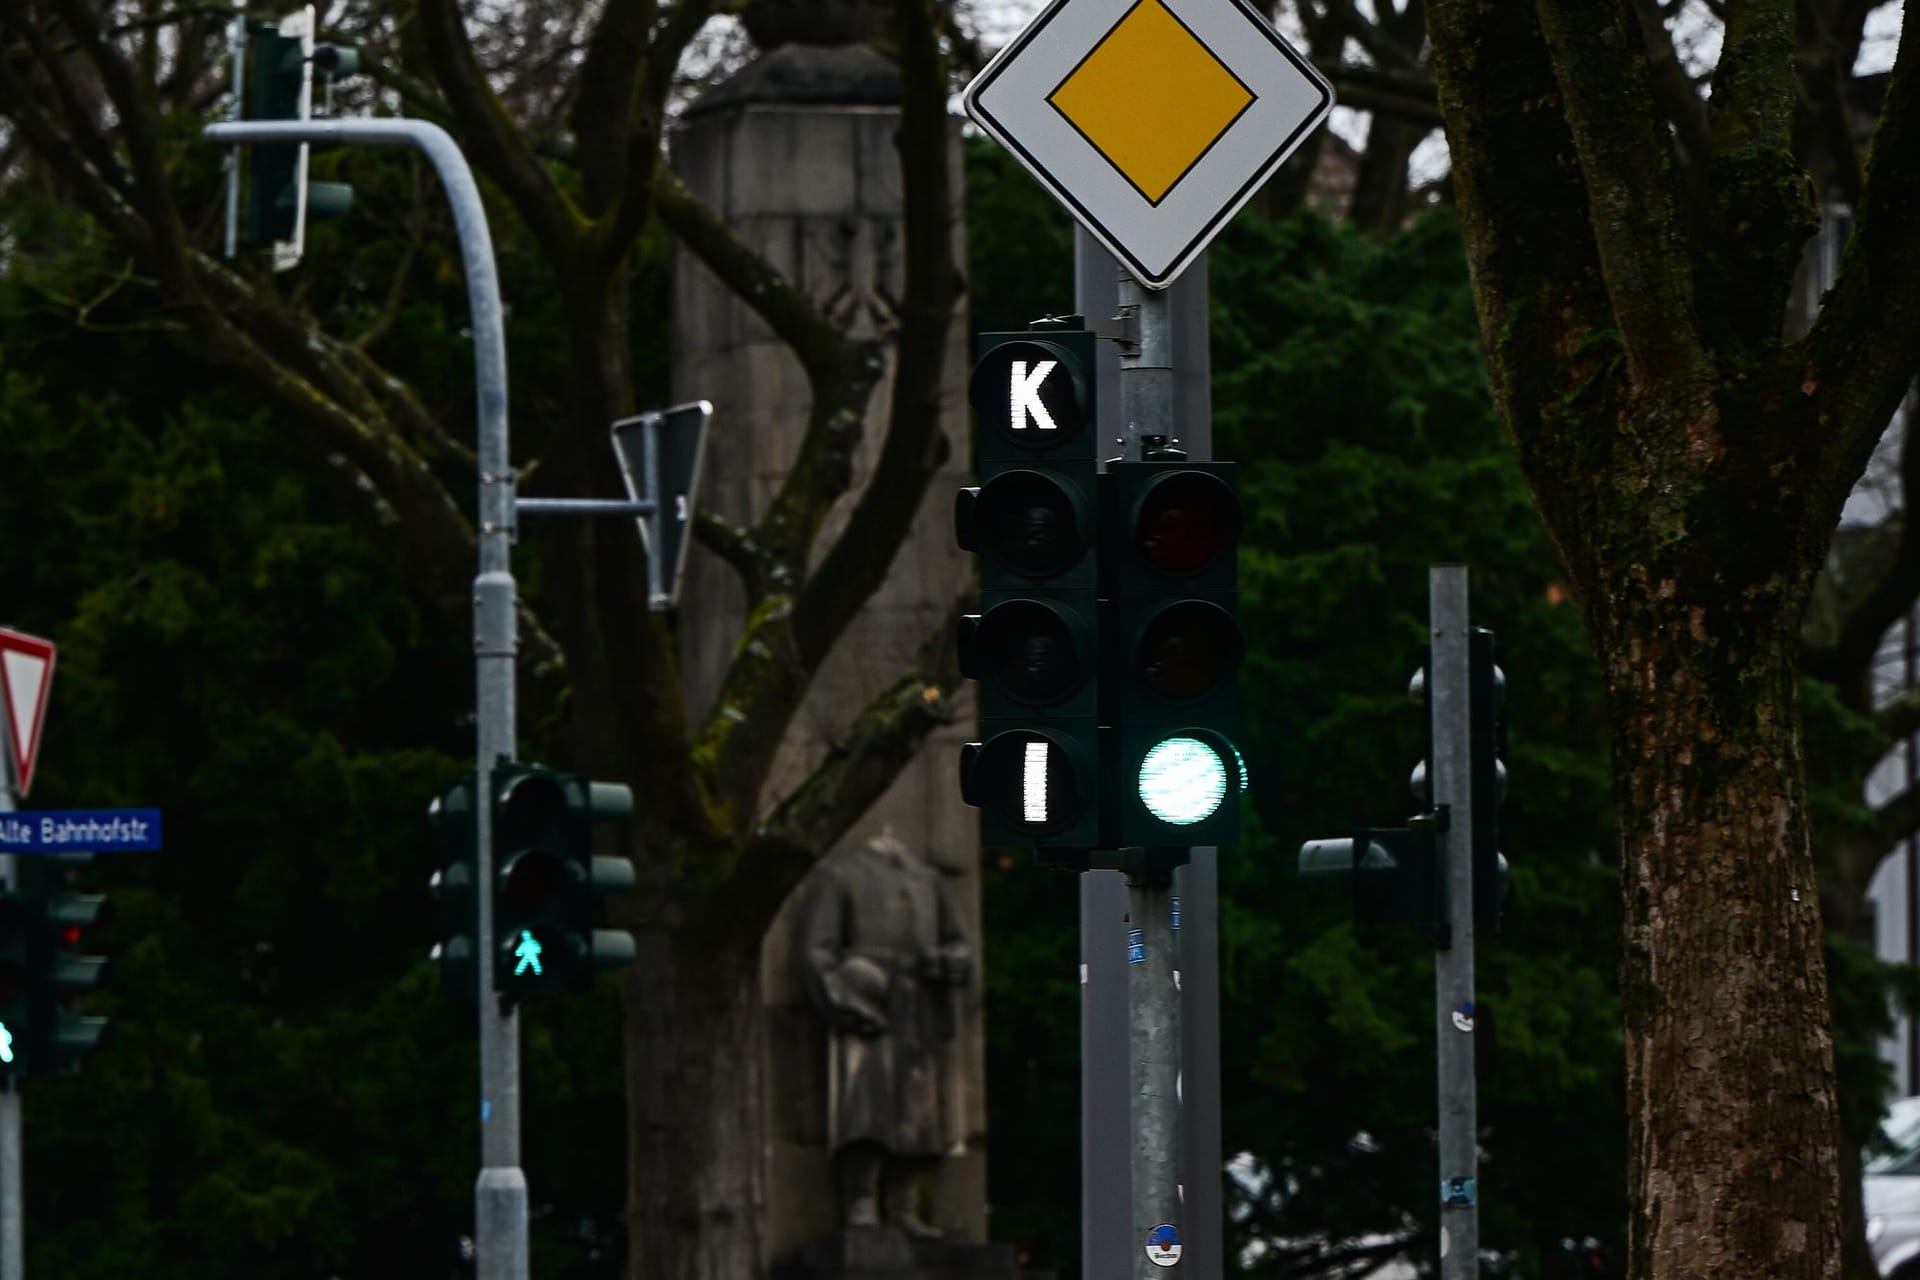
(1151, 98)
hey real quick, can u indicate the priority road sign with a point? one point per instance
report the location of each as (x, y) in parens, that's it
(1153, 121)
(26, 676)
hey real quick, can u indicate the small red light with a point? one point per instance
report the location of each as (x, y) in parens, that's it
(72, 934)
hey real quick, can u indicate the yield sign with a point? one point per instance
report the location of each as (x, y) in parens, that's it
(26, 674)
(1153, 121)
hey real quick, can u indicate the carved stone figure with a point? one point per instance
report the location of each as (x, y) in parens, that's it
(887, 963)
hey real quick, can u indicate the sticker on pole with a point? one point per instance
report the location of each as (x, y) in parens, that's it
(26, 675)
(1153, 121)
(1163, 1245)
(1463, 1016)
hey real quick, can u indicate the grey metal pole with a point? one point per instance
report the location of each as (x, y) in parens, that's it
(13, 1217)
(500, 1192)
(1153, 1034)
(1153, 1002)
(1449, 703)
(1106, 1174)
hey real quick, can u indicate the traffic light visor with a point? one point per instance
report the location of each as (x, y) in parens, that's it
(1187, 649)
(1030, 523)
(1186, 522)
(1032, 394)
(1184, 780)
(528, 805)
(1029, 781)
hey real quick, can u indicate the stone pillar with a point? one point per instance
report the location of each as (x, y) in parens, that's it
(797, 153)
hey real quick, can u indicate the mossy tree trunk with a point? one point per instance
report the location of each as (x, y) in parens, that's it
(1690, 464)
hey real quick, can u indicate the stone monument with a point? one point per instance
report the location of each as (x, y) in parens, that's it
(796, 152)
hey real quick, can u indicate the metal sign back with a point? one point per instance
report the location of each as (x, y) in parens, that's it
(662, 454)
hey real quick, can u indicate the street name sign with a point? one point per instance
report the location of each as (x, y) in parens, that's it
(26, 676)
(1153, 121)
(73, 832)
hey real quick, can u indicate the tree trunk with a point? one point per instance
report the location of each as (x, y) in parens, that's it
(695, 1181)
(1380, 188)
(1731, 1110)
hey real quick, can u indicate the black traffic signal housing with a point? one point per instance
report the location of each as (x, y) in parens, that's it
(278, 82)
(456, 835)
(1170, 687)
(1398, 875)
(1034, 645)
(1487, 770)
(17, 927)
(546, 878)
(62, 971)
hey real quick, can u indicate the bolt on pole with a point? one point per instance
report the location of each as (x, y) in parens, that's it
(1449, 705)
(500, 1192)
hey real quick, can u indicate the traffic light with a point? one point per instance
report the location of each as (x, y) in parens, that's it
(453, 818)
(61, 971)
(546, 877)
(1171, 690)
(16, 968)
(1035, 644)
(277, 84)
(1486, 753)
(1398, 875)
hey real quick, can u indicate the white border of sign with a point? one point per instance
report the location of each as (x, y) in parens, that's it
(1008, 99)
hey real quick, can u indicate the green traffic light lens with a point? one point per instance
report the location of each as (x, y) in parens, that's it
(1182, 781)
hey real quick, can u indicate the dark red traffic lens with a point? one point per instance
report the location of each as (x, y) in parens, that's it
(1187, 650)
(1186, 522)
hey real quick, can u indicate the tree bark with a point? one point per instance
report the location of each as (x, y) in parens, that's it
(1731, 1107)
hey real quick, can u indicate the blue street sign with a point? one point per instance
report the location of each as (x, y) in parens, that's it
(75, 831)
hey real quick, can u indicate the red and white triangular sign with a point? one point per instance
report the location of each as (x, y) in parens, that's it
(26, 674)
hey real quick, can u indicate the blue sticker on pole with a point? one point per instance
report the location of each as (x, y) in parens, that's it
(1176, 915)
(1456, 1192)
(72, 832)
(1163, 1245)
(1136, 946)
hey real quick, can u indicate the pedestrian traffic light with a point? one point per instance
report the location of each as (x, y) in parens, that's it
(16, 1014)
(62, 972)
(1171, 691)
(280, 64)
(546, 878)
(457, 837)
(1034, 646)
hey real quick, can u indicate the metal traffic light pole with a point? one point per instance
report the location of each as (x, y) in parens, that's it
(12, 1216)
(1448, 701)
(1153, 1002)
(500, 1192)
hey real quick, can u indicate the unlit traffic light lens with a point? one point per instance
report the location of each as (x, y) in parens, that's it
(1031, 524)
(1182, 781)
(1186, 522)
(1187, 650)
(1028, 652)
